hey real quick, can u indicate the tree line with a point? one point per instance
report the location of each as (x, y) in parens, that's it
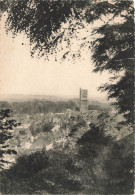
(39, 106)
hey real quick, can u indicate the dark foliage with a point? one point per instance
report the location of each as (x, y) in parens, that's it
(93, 142)
(27, 165)
(47, 127)
(81, 123)
(7, 124)
(119, 167)
(114, 51)
(42, 20)
(51, 172)
(97, 165)
(43, 126)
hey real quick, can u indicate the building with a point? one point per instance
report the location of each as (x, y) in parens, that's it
(83, 100)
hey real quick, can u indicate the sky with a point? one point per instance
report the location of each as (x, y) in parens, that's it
(22, 74)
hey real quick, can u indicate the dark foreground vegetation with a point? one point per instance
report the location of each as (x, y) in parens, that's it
(65, 172)
(91, 161)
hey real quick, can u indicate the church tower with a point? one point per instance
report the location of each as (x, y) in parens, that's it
(83, 99)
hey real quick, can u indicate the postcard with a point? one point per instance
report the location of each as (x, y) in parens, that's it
(66, 97)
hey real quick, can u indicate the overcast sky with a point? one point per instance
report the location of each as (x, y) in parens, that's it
(22, 74)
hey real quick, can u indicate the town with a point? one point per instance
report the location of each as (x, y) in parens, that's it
(48, 130)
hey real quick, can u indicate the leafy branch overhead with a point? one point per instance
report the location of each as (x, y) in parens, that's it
(51, 25)
(42, 21)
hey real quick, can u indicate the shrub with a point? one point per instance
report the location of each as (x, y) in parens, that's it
(53, 172)
(47, 127)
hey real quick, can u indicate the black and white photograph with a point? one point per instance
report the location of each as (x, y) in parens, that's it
(67, 97)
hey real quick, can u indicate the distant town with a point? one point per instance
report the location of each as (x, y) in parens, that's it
(45, 124)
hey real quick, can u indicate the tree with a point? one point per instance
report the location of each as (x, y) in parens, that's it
(6, 127)
(113, 47)
(41, 172)
(119, 166)
(92, 142)
(114, 51)
(92, 149)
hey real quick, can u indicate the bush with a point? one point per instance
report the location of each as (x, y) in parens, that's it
(119, 167)
(47, 127)
(92, 142)
(53, 172)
